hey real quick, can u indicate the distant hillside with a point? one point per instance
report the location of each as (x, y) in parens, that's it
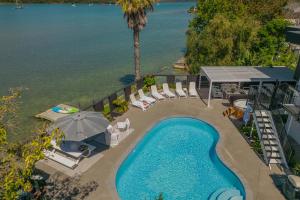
(77, 1)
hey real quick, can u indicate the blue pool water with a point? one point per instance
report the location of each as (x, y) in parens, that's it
(178, 158)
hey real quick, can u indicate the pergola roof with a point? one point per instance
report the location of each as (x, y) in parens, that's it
(247, 74)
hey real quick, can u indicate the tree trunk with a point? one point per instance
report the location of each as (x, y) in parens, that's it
(137, 65)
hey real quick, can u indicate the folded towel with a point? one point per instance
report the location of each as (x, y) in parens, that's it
(70, 110)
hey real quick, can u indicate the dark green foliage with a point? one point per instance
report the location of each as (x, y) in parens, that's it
(106, 112)
(294, 164)
(121, 106)
(271, 48)
(238, 33)
(265, 10)
(254, 139)
(208, 9)
(148, 81)
(224, 41)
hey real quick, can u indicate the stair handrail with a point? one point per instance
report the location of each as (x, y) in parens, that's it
(257, 107)
(283, 137)
(280, 142)
(268, 139)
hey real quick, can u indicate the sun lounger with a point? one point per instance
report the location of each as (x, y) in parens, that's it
(139, 104)
(167, 91)
(155, 93)
(73, 148)
(145, 98)
(68, 162)
(179, 91)
(192, 90)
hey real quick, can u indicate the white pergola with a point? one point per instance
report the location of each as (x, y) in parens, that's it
(242, 74)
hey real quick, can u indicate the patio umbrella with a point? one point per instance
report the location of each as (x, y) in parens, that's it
(81, 125)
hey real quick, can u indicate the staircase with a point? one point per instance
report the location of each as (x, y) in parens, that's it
(271, 147)
(226, 194)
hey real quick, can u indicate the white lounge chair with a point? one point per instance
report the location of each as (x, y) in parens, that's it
(192, 90)
(72, 149)
(137, 103)
(167, 91)
(145, 98)
(179, 91)
(68, 162)
(155, 93)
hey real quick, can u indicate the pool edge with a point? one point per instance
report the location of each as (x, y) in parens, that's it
(219, 145)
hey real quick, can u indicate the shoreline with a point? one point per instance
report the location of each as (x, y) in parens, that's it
(87, 2)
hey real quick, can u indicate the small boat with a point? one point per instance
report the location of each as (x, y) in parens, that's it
(74, 5)
(91, 4)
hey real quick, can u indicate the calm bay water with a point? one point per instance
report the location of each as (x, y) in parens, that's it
(66, 54)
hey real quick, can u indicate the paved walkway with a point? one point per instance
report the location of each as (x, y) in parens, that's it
(232, 149)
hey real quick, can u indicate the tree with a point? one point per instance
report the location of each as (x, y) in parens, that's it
(135, 12)
(222, 42)
(229, 32)
(17, 160)
(271, 48)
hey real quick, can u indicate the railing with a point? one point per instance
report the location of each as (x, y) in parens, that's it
(280, 96)
(282, 134)
(106, 104)
(257, 106)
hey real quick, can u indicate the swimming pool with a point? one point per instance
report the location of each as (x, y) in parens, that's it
(177, 157)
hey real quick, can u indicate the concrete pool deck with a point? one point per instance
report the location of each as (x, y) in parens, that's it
(232, 149)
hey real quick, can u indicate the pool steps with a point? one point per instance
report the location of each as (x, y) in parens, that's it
(226, 194)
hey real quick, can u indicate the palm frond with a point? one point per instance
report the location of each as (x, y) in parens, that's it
(135, 12)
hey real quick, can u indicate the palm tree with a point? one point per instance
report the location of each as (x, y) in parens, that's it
(135, 12)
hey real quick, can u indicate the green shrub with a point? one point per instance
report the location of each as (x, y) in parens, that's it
(133, 88)
(106, 112)
(121, 106)
(296, 168)
(149, 80)
(256, 146)
(172, 85)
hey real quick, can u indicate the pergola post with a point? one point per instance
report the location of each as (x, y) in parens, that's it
(199, 86)
(260, 86)
(209, 93)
